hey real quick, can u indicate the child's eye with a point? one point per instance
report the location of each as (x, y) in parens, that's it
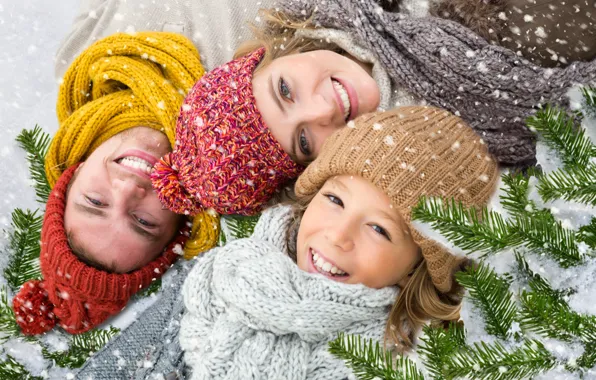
(94, 201)
(284, 89)
(333, 199)
(381, 231)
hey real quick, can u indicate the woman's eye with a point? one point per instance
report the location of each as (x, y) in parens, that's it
(284, 89)
(304, 145)
(381, 231)
(333, 199)
(94, 201)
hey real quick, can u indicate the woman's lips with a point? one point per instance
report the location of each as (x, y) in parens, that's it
(151, 159)
(313, 269)
(352, 96)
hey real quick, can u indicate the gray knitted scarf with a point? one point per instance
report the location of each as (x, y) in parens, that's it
(449, 66)
(251, 313)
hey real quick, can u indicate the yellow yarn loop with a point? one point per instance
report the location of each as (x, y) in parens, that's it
(120, 82)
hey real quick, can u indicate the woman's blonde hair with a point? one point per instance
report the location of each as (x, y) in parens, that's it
(418, 302)
(277, 34)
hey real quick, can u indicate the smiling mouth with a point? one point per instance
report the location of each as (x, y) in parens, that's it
(325, 267)
(345, 99)
(135, 163)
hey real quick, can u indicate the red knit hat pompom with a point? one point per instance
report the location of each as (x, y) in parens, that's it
(172, 193)
(33, 309)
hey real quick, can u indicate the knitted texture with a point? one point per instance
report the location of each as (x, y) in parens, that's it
(121, 82)
(408, 152)
(449, 66)
(225, 157)
(76, 296)
(253, 314)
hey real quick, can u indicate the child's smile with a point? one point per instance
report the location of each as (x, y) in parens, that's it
(320, 264)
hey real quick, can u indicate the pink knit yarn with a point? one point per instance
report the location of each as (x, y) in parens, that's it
(225, 157)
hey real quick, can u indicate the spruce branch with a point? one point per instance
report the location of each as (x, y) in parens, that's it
(563, 133)
(542, 233)
(491, 294)
(368, 361)
(587, 360)
(438, 344)
(12, 369)
(8, 322)
(577, 183)
(515, 197)
(23, 264)
(154, 287)
(587, 234)
(463, 227)
(81, 347)
(36, 143)
(589, 94)
(484, 361)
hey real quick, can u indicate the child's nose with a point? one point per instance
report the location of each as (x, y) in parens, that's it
(341, 235)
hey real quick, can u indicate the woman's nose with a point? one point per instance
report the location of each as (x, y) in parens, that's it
(319, 112)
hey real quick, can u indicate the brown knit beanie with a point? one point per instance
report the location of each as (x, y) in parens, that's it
(408, 152)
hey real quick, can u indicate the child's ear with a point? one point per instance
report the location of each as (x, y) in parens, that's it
(404, 281)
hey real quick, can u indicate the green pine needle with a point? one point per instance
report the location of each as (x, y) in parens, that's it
(587, 234)
(587, 360)
(484, 361)
(589, 99)
(36, 144)
(8, 323)
(542, 233)
(515, 197)
(81, 347)
(438, 344)
(237, 227)
(577, 183)
(491, 294)
(563, 133)
(11, 369)
(153, 288)
(463, 227)
(23, 264)
(369, 362)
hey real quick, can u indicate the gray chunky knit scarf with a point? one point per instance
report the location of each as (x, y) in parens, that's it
(449, 66)
(253, 314)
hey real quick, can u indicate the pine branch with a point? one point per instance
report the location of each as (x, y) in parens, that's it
(484, 361)
(463, 227)
(545, 311)
(23, 264)
(11, 369)
(153, 288)
(8, 323)
(563, 133)
(368, 361)
(36, 144)
(81, 347)
(587, 360)
(490, 293)
(515, 197)
(587, 234)
(577, 183)
(589, 100)
(541, 232)
(239, 226)
(438, 344)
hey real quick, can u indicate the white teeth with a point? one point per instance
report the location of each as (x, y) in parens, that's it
(323, 265)
(136, 163)
(343, 94)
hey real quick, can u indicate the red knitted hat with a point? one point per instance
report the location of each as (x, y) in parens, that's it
(225, 157)
(76, 296)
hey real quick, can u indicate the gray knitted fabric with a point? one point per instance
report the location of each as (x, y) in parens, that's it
(449, 66)
(148, 348)
(253, 314)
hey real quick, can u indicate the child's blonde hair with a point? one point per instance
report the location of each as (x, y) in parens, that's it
(408, 152)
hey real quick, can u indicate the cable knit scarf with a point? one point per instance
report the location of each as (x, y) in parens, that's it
(253, 314)
(451, 67)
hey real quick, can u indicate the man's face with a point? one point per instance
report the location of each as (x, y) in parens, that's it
(113, 217)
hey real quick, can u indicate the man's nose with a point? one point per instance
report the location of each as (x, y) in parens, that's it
(341, 235)
(128, 188)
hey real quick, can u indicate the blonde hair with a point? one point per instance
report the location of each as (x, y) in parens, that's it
(278, 36)
(418, 302)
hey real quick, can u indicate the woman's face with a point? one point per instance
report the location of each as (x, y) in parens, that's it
(303, 98)
(350, 233)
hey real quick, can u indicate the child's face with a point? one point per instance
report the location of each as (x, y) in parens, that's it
(303, 98)
(113, 216)
(349, 228)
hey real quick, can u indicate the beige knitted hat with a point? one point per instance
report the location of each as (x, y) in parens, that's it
(408, 152)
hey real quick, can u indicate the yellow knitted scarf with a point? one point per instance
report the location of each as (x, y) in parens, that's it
(120, 82)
